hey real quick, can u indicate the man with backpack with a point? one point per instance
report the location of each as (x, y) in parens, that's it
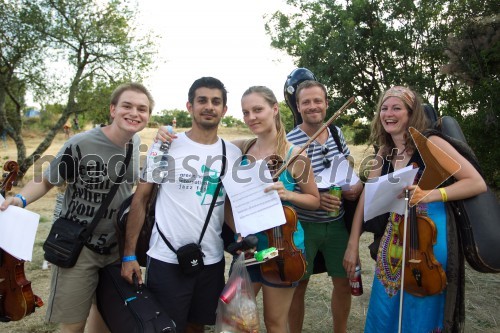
(323, 233)
(189, 215)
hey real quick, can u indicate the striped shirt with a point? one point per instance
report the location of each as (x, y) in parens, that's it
(315, 153)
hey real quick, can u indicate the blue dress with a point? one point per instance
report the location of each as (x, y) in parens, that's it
(420, 314)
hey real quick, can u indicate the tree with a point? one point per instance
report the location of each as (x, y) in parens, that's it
(231, 121)
(474, 58)
(286, 116)
(182, 118)
(20, 66)
(361, 47)
(94, 44)
(93, 100)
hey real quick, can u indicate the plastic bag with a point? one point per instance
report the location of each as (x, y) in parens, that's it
(237, 310)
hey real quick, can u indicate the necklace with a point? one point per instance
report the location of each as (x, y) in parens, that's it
(401, 153)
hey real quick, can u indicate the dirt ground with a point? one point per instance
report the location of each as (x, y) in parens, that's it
(482, 290)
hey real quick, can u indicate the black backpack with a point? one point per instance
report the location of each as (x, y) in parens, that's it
(477, 218)
(349, 206)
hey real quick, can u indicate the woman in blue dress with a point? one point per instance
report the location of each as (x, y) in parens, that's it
(398, 109)
(261, 115)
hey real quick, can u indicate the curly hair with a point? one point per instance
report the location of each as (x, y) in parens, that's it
(416, 119)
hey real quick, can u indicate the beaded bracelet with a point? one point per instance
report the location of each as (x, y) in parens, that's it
(129, 258)
(23, 199)
(444, 196)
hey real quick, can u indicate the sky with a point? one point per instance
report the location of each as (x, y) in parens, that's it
(225, 39)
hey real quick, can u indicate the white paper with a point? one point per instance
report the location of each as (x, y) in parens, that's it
(381, 195)
(18, 231)
(253, 210)
(339, 173)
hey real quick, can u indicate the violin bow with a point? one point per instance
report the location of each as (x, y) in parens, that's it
(315, 135)
(407, 196)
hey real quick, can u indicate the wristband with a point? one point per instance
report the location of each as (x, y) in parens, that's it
(129, 258)
(444, 196)
(23, 199)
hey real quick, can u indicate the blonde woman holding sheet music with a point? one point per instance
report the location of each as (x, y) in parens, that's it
(261, 115)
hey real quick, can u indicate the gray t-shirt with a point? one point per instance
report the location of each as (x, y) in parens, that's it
(98, 162)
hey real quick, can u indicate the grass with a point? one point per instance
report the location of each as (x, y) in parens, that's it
(482, 290)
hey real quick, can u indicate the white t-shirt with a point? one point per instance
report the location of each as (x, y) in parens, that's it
(185, 196)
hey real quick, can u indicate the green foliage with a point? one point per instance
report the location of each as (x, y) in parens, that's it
(182, 118)
(361, 134)
(93, 100)
(48, 116)
(473, 51)
(95, 45)
(286, 116)
(230, 121)
(360, 48)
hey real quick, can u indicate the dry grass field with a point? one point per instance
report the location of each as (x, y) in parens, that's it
(482, 290)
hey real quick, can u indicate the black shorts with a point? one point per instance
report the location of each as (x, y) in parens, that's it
(186, 298)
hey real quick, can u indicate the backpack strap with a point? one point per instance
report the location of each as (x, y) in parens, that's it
(248, 143)
(336, 138)
(461, 147)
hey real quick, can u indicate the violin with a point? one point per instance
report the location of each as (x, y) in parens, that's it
(423, 275)
(289, 266)
(16, 297)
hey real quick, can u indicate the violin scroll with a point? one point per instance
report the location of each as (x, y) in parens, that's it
(10, 177)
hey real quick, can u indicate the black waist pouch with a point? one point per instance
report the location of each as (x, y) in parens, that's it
(190, 258)
(64, 243)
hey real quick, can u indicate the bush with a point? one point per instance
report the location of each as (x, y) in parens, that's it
(361, 134)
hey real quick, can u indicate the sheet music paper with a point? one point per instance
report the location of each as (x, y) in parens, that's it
(18, 231)
(339, 173)
(253, 210)
(381, 195)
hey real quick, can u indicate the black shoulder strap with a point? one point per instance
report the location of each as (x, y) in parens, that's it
(217, 190)
(336, 138)
(212, 204)
(111, 193)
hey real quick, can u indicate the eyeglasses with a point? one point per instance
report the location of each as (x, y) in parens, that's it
(324, 150)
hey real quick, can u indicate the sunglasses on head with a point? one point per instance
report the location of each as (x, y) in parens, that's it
(326, 162)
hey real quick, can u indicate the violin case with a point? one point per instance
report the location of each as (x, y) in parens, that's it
(477, 218)
(129, 308)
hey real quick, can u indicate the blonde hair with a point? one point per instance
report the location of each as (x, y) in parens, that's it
(282, 143)
(416, 119)
(133, 86)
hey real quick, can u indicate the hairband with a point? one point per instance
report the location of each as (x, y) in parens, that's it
(403, 93)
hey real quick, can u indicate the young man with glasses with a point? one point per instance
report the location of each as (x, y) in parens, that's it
(322, 232)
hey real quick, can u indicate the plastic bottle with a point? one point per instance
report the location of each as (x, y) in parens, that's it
(159, 158)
